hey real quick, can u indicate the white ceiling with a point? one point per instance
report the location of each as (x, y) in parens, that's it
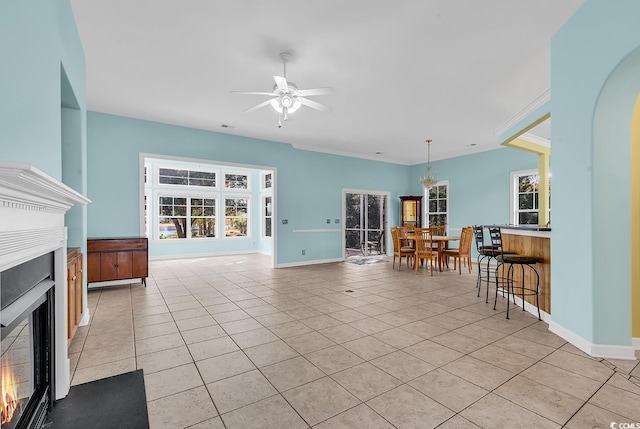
(402, 71)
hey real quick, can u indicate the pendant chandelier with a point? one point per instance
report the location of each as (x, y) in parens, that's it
(429, 181)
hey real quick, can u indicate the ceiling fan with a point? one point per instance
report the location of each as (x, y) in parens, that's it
(286, 98)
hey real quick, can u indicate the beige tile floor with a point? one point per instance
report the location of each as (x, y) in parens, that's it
(227, 342)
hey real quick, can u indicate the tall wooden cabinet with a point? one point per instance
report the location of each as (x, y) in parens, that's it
(411, 211)
(74, 291)
(119, 258)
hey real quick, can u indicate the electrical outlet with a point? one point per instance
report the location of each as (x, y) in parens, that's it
(304, 252)
(328, 220)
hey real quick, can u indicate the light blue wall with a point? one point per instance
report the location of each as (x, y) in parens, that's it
(591, 273)
(37, 37)
(479, 184)
(309, 184)
(42, 97)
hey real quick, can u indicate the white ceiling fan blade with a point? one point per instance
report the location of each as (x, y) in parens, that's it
(313, 104)
(315, 91)
(270, 94)
(259, 106)
(282, 83)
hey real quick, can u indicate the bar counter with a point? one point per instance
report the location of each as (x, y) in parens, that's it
(535, 241)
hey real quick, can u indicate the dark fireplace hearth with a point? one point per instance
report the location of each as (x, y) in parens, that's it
(27, 346)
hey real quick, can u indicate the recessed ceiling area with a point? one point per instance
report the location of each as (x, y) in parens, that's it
(401, 72)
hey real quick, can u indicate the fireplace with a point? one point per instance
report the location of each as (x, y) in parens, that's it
(33, 292)
(27, 358)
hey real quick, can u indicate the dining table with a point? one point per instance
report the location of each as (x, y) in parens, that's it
(441, 240)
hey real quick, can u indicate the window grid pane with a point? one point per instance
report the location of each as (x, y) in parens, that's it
(527, 204)
(173, 221)
(235, 217)
(236, 181)
(168, 176)
(437, 204)
(267, 219)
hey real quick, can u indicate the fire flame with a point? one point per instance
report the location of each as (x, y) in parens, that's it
(9, 400)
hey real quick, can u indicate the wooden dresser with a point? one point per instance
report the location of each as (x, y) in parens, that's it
(118, 258)
(74, 291)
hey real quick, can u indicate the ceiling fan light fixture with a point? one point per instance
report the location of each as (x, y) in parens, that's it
(286, 101)
(278, 103)
(286, 98)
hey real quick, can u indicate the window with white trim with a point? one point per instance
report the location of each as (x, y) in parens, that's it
(267, 217)
(203, 217)
(146, 214)
(193, 201)
(236, 212)
(524, 197)
(267, 180)
(236, 181)
(174, 176)
(180, 215)
(437, 197)
(172, 217)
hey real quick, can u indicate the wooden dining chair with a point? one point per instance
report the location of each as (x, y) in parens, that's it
(399, 250)
(463, 252)
(424, 249)
(438, 230)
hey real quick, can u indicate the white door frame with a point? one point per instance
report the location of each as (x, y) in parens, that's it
(387, 214)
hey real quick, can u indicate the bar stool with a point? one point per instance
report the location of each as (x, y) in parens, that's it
(512, 259)
(485, 253)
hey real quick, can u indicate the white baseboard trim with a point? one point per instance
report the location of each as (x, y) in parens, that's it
(134, 282)
(85, 318)
(596, 350)
(200, 255)
(546, 317)
(302, 263)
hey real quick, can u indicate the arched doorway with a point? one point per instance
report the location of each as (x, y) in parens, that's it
(616, 202)
(635, 225)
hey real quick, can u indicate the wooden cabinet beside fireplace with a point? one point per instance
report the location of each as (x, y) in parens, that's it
(74, 291)
(117, 259)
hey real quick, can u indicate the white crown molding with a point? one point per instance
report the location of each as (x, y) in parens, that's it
(531, 107)
(532, 138)
(379, 158)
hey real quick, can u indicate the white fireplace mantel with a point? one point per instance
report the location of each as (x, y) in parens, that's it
(32, 209)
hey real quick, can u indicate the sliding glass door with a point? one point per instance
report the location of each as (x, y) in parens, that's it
(365, 221)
